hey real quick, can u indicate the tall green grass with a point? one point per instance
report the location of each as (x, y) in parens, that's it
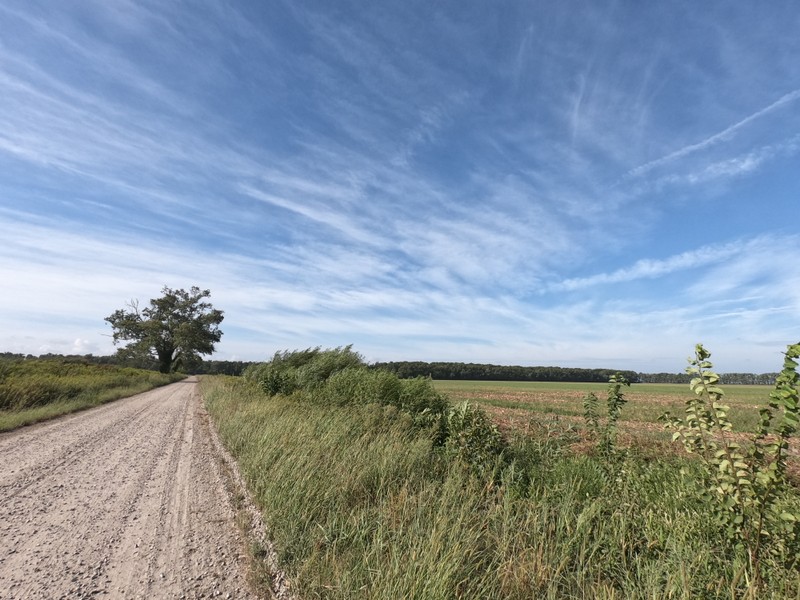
(363, 502)
(36, 390)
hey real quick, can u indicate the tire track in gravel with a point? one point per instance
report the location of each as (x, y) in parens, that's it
(29, 468)
(123, 501)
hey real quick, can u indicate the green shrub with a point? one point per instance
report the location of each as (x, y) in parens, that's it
(275, 380)
(316, 372)
(339, 376)
(473, 439)
(419, 397)
(306, 370)
(358, 385)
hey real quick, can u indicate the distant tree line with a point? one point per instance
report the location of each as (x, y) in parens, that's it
(210, 367)
(222, 367)
(725, 378)
(72, 358)
(435, 370)
(484, 372)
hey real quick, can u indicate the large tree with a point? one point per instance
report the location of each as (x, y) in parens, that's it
(175, 329)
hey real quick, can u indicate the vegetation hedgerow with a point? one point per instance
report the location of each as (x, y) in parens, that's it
(375, 487)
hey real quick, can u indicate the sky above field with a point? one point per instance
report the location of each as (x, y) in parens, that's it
(587, 184)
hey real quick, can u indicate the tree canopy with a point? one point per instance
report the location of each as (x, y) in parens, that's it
(175, 329)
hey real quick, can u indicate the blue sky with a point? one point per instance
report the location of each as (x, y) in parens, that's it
(593, 184)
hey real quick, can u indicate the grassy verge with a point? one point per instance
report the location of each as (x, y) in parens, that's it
(37, 390)
(361, 504)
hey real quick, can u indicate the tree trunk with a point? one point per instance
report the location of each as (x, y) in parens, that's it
(165, 360)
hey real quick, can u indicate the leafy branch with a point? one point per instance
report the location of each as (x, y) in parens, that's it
(607, 431)
(745, 484)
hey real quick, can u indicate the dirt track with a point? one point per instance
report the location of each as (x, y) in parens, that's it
(124, 501)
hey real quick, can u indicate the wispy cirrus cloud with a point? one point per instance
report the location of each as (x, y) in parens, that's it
(333, 219)
(726, 134)
(735, 166)
(650, 269)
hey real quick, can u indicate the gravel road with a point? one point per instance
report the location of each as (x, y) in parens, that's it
(127, 500)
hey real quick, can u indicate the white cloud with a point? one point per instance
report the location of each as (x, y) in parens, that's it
(728, 168)
(721, 136)
(650, 268)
